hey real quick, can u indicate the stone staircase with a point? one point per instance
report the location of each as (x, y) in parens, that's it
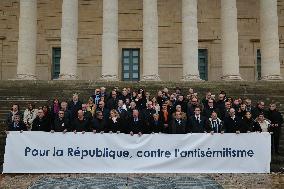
(42, 92)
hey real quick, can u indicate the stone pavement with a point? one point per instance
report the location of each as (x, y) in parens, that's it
(144, 181)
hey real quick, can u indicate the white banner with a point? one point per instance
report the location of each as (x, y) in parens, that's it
(41, 152)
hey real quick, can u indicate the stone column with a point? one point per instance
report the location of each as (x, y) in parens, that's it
(69, 35)
(229, 30)
(26, 68)
(150, 41)
(190, 41)
(110, 57)
(269, 40)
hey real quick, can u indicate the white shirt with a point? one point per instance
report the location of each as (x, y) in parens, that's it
(264, 126)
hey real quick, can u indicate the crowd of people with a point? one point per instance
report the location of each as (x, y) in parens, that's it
(138, 112)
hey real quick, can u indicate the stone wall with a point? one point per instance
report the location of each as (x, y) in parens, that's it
(131, 36)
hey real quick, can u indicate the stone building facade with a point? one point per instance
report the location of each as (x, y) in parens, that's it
(168, 40)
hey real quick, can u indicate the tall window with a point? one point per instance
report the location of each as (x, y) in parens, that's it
(130, 64)
(203, 64)
(258, 64)
(56, 55)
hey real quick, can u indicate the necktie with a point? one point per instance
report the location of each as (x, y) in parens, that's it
(215, 125)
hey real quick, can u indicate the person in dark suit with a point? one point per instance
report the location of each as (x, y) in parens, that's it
(17, 124)
(141, 100)
(216, 125)
(121, 109)
(104, 110)
(74, 105)
(41, 122)
(147, 114)
(178, 125)
(165, 118)
(87, 114)
(276, 121)
(67, 113)
(130, 108)
(191, 106)
(232, 123)
(114, 123)
(241, 112)
(135, 125)
(112, 101)
(248, 124)
(156, 125)
(225, 112)
(209, 108)
(14, 110)
(124, 95)
(198, 123)
(182, 102)
(81, 124)
(258, 109)
(60, 123)
(99, 124)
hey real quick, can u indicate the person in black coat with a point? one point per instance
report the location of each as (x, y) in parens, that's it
(17, 124)
(74, 105)
(14, 110)
(209, 108)
(258, 110)
(198, 123)
(156, 125)
(99, 124)
(124, 95)
(114, 123)
(178, 125)
(232, 123)
(87, 114)
(248, 124)
(191, 106)
(60, 123)
(67, 113)
(241, 112)
(140, 101)
(165, 117)
(147, 114)
(81, 124)
(276, 121)
(112, 101)
(182, 102)
(225, 112)
(220, 104)
(136, 124)
(104, 110)
(41, 122)
(121, 110)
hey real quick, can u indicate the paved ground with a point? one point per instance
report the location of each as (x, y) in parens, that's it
(141, 181)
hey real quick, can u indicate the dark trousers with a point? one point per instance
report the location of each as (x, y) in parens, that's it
(275, 139)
